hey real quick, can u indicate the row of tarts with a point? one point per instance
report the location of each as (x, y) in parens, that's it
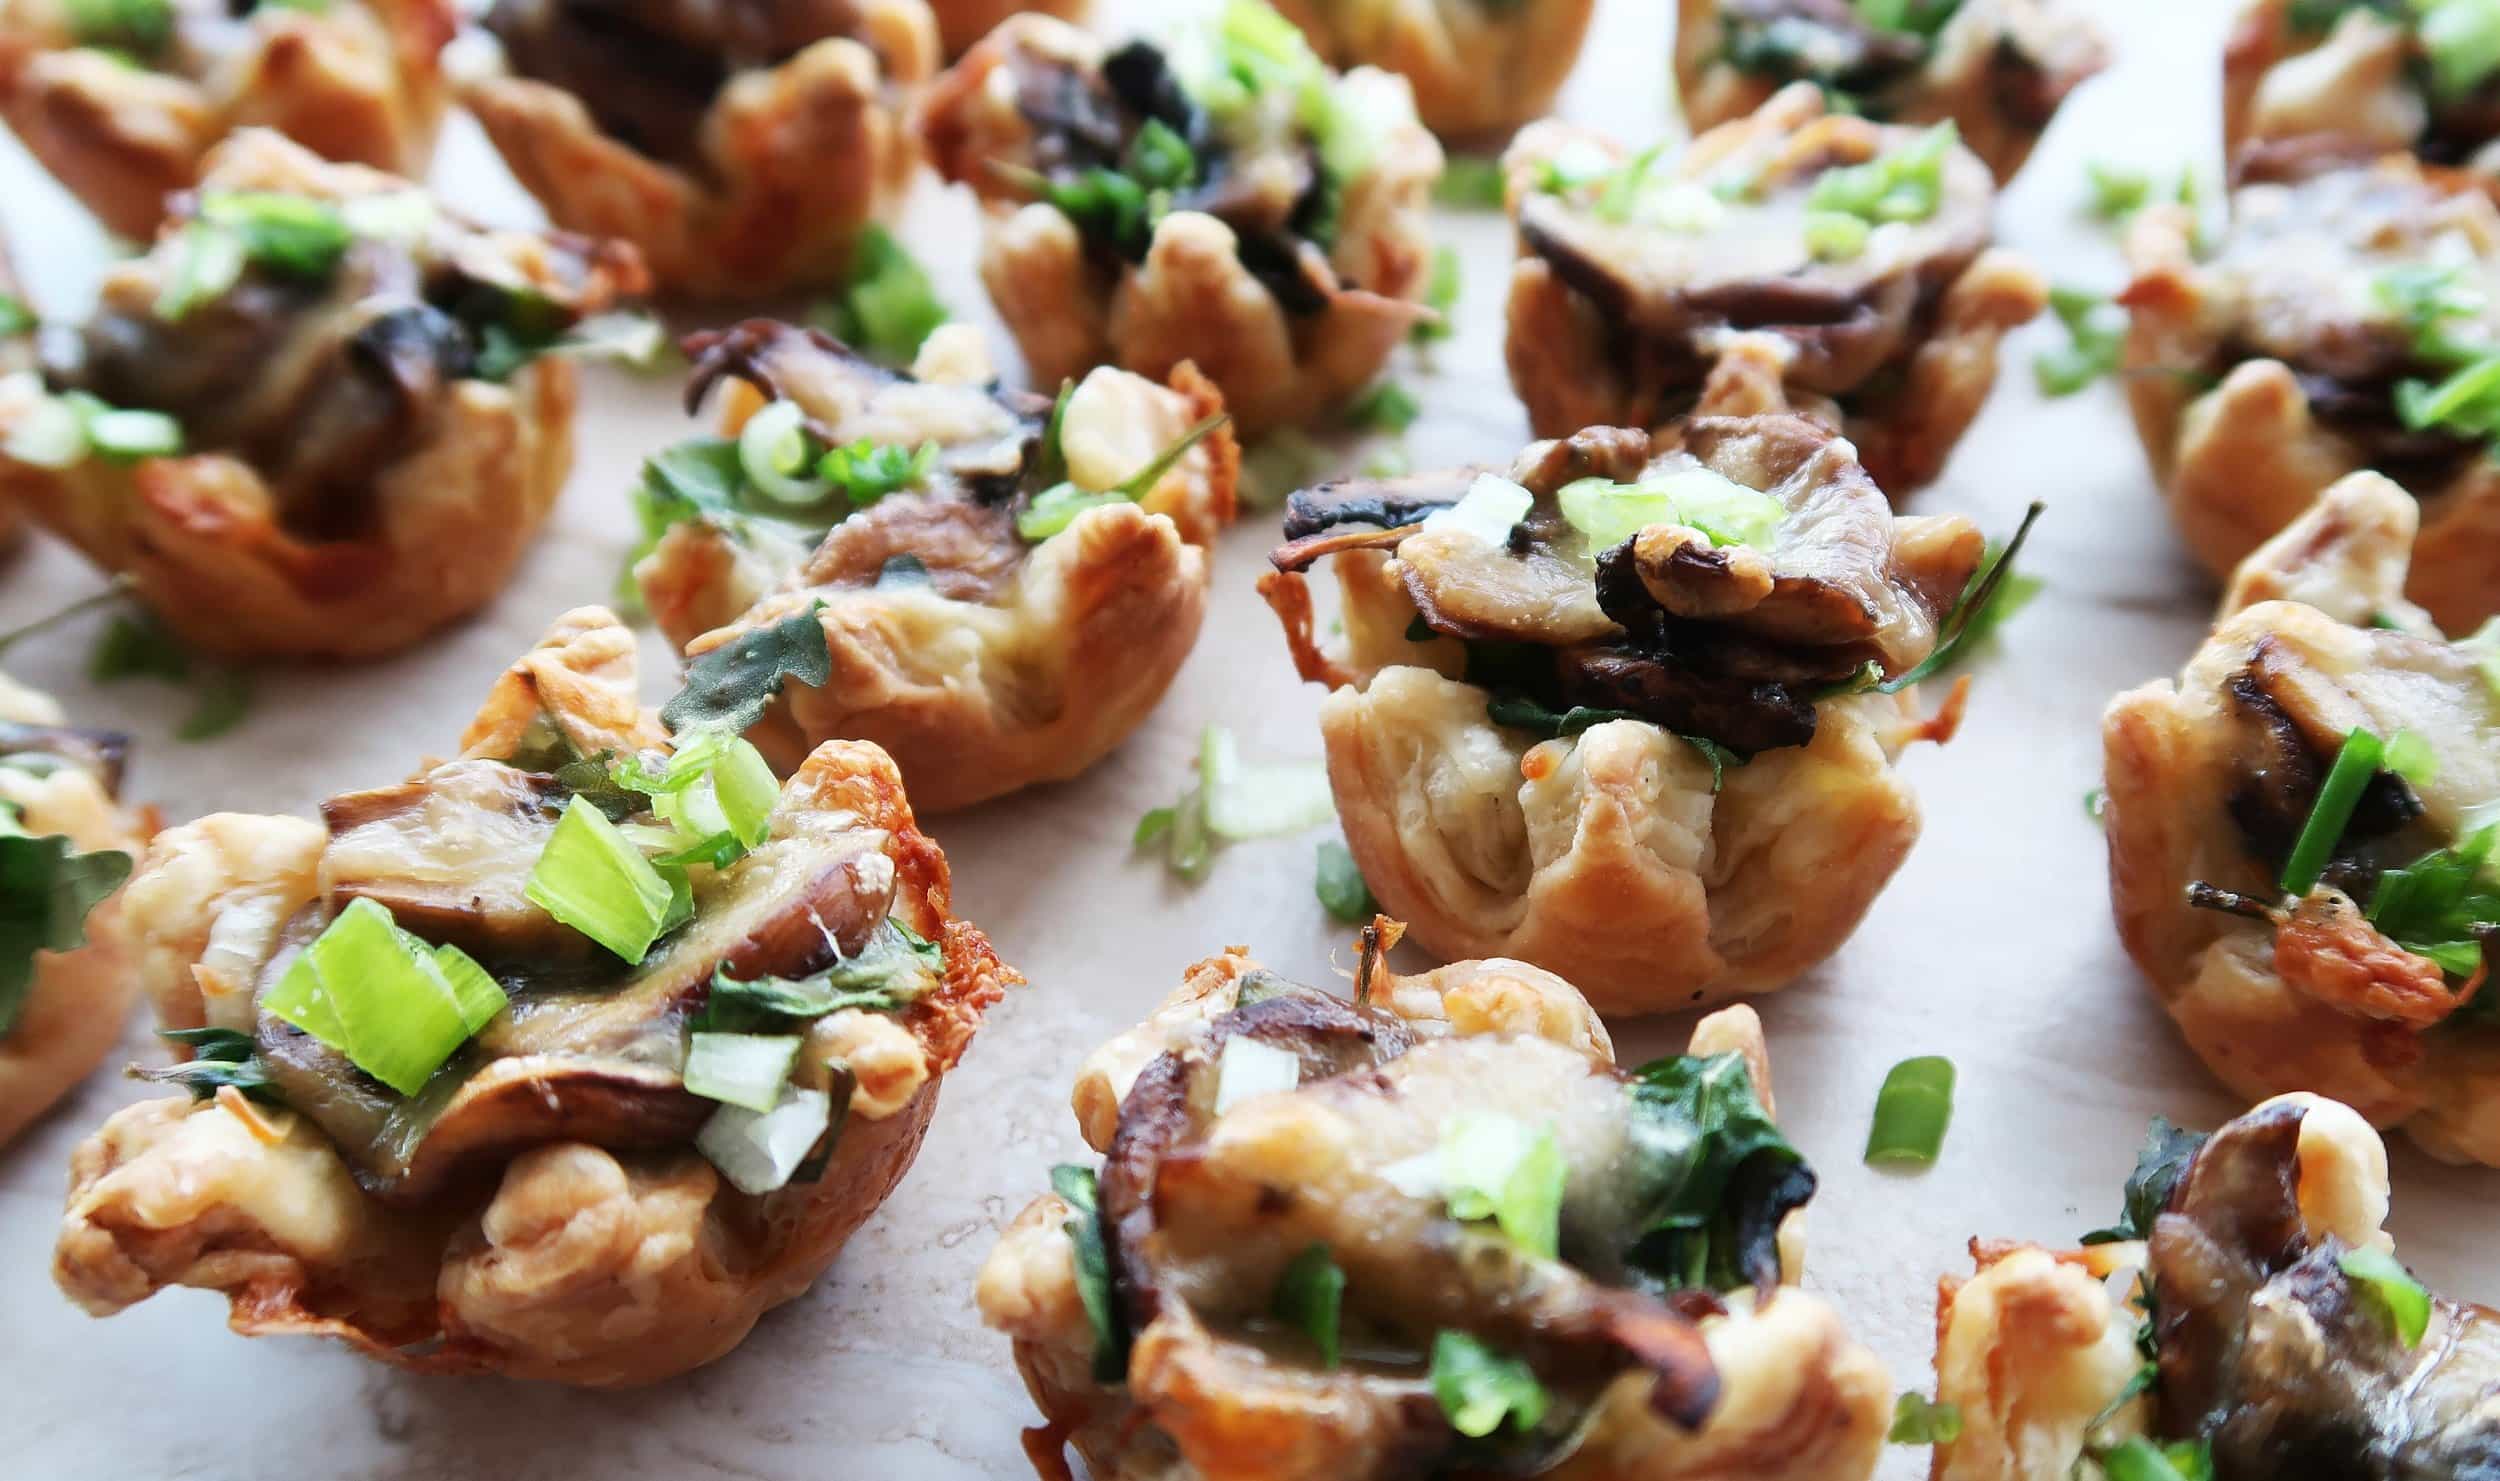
(443, 1039)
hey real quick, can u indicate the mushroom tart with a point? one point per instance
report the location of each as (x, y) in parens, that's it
(1996, 69)
(1630, 710)
(1480, 68)
(2348, 317)
(318, 419)
(2246, 1319)
(963, 22)
(2301, 828)
(1433, 1230)
(1006, 583)
(2421, 77)
(1854, 255)
(564, 1059)
(745, 147)
(123, 100)
(1223, 198)
(66, 843)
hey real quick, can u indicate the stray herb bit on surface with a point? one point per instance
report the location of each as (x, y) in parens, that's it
(1340, 885)
(138, 645)
(888, 306)
(1440, 296)
(2117, 191)
(1911, 1113)
(1918, 1421)
(1387, 407)
(2096, 332)
(1234, 801)
(1470, 182)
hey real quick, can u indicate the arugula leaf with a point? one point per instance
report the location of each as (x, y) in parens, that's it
(1995, 593)
(896, 967)
(729, 688)
(46, 892)
(1711, 1175)
(2439, 906)
(1341, 887)
(1310, 1297)
(1080, 1189)
(1916, 1421)
(2158, 1167)
(1480, 1389)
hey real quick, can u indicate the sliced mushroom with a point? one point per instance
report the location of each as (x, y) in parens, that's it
(101, 752)
(965, 551)
(1742, 715)
(449, 855)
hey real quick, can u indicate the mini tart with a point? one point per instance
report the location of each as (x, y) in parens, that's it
(1480, 68)
(540, 1210)
(2358, 75)
(56, 780)
(1655, 873)
(351, 481)
(1228, 273)
(2210, 781)
(2266, 1347)
(963, 22)
(2265, 368)
(1998, 69)
(1201, 1209)
(743, 149)
(984, 659)
(124, 124)
(1636, 279)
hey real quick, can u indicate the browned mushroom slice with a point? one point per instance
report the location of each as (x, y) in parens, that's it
(449, 855)
(966, 551)
(1466, 588)
(1743, 715)
(1381, 503)
(102, 753)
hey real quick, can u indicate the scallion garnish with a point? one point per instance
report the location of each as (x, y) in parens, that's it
(1470, 182)
(2117, 192)
(1340, 886)
(865, 472)
(141, 27)
(1911, 1112)
(16, 317)
(1078, 1188)
(778, 455)
(1496, 1167)
(759, 1150)
(1835, 236)
(2356, 762)
(2139, 1459)
(1918, 1421)
(740, 1069)
(1246, 800)
(1310, 1298)
(1056, 507)
(380, 996)
(2096, 334)
(888, 306)
(2392, 1290)
(1902, 184)
(2462, 40)
(1480, 1389)
(592, 878)
(1696, 498)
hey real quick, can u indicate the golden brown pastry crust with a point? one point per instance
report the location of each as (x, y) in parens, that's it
(200, 538)
(1562, 347)
(1957, 81)
(1799, 1399)
(80, 998)
(2171, 753)
(2239, 459)
(357, 81)
(578, 1264)
(804, 157)
(2357, 81)
(1477, 72)
(1190, 299)
(978, 698)
(963, 22)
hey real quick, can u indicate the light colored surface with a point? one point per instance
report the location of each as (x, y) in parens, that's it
(1993, 945)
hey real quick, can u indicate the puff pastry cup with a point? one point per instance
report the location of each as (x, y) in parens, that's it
(1480, 68)
(1227, 201)
(1848, 262)
(1004, 607)
(743, 147)
(555, 1200)
(2313, 339)
(1566, 724)
(2366, 75)
(67, 844)
(2302, 942)
(124, 102)
(2238, 1315)
(319, 418)
(963, 22)
(1997, 69)
(1259, 1135)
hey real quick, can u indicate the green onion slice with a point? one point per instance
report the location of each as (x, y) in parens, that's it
(759, 1150)
(1310, 1297)
(1339, 883)
(1916, 1421)
(775, 450)
(1495, 1167)
(1911, 1112)
(740, 1069)
(2356, 762)
(592, 878)
(49, 433)
(380, 996)
(2393, 1290)
(1697, 498)
(2139, 1459)
(129, 436)
(1262, 800)
(1479, 1388)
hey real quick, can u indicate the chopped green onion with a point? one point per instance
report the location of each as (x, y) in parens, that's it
(378, 995)
(1055, 508)
(1153, 826)
(1479, 1388)
(759, 1150)
(1697, 498)
(740, 1069)
(2462, 40)
(2392, 1289)
(889, 306)
(479, 995)
(2096, 331)
(290, 234)
(2356, 762)
(2117, 192)
(401, 217)
(120, 436)
(1471, 182)
(2466, 403)
(1340, 886)
(211, 263)
(1249, 1068)
(142, 27)
(592, 878)
(1495, 1167)
(1916, 1421)
(775, 451)
(16, 317)
(1078, 1187)
(1487, 511)
(1310, 1297)
(1386, 407)
(865, 472)
(2411, 757)
(2140, 1459)
(1911, 1112)
(1441, 296)
(1835, 236)
(1258, 800)
(1903, 184)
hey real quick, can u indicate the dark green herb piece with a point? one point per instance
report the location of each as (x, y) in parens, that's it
(1310, 1298)
(1911, 1112)
(1710, 1174)
(2164, 1159)
(137, 645)
(221, 699)
(2438, 906)
(46, 892)
(1078, 1188)
(2147, 1460)
(2356, 762)
(219, 1057)
(865, 472)
(888, 306)
(1916, 1421)
(1340, 885)
(1481, 1389)
(729, 688)
(141, 27)
(1978, 611)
